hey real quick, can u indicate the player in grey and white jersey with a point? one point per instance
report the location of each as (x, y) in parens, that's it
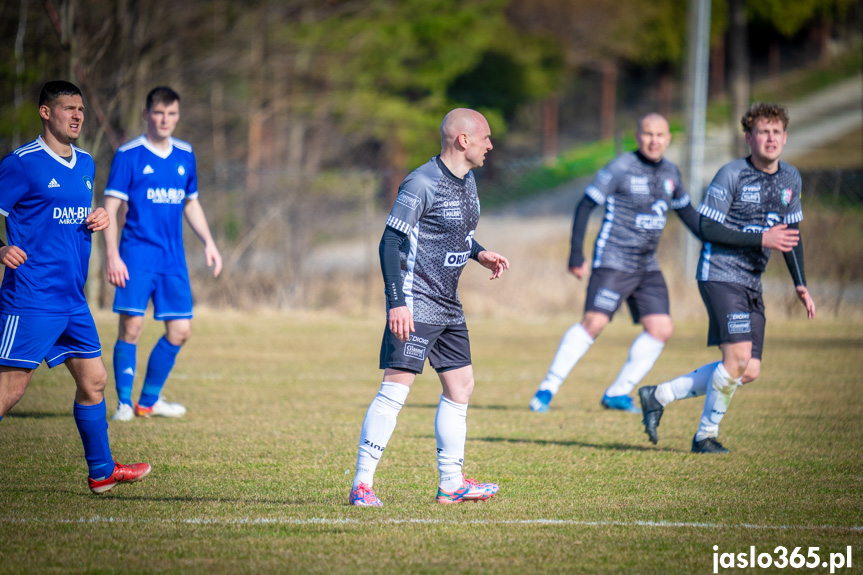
(427, 242)
(752, 206)
(637, 190)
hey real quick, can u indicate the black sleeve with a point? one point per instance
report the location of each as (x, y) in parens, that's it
(690, 219)
(391, 266)
(714, 232)
(475, 248)
(794, 260)
(579, 227)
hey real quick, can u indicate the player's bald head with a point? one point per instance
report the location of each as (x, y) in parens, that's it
(460, 121)
(653, 119)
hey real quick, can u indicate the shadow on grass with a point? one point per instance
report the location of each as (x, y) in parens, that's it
(573, 443)
(122, 498)
(569, 443)
(36, 414)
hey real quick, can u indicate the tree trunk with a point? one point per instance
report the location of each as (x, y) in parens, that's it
(774, 60)
(550, 108)
(717, 69)
(666, 91)
(739, 73)
(608, 102)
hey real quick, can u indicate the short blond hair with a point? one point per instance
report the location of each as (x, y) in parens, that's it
(770, 112)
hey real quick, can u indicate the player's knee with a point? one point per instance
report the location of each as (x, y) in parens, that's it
(753, 370)
(662, 333)
(178, 335)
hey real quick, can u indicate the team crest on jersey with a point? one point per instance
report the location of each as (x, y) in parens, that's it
(668, 186)
(89, 183)
(786, 196)
(181, 169)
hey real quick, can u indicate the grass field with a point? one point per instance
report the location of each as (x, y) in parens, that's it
(255, 478)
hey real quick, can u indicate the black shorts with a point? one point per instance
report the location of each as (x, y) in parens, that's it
(645, 293)
(446, 346)
(736, 314)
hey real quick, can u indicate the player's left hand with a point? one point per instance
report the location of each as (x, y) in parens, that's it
(807, 300)
(493, 261)
(98, 220)
(214, 259)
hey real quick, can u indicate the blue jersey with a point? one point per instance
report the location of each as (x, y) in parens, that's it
(45, 200)
(155, 185)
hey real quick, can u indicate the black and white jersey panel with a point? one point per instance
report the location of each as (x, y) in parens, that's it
(637, 195)
(743, 198)
(439, 214)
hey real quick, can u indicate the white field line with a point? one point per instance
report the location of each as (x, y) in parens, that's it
(351, 521)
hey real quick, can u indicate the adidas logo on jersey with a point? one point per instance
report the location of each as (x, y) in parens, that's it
(53, 183)
(148, 169)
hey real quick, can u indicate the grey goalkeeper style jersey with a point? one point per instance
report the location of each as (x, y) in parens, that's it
(743, 198)
(637, 195)
(439, 213)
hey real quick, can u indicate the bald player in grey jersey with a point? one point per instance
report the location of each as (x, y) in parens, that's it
(637, 190)
(752, 206)
(427, 241)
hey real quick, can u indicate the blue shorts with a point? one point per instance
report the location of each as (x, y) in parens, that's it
(27, 339)
(172, 295)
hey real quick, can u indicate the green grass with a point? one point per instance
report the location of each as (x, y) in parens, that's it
(269, 446)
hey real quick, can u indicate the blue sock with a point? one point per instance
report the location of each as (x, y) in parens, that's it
(124, 369)
(158, 369)
(93, 428)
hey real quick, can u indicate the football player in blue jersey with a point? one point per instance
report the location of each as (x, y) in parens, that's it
(751, 206)
(46, 196)
(427, 241)
(637, 190)
(155, 176)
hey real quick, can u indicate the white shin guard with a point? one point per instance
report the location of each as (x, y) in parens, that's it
(378, 426)
(719, 393)
(450, 429)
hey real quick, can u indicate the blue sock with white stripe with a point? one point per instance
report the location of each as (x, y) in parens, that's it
(93, 428)
(125, 360)
(158, 369)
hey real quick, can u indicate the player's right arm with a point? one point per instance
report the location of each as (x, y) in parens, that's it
(399, 317)
(602, 186)
(115, 267)
(13, 182)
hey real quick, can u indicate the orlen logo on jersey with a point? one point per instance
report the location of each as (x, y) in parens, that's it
(456, 259)
(651, 221)
(71, 215)
(166, 196)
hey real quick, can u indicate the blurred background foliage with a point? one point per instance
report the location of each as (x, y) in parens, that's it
(306, 114)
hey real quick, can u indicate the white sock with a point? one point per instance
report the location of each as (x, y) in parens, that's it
(716, 401)
(643, 353)
(573, 345)
(692, 384)
(450, 429)
(377, 429)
